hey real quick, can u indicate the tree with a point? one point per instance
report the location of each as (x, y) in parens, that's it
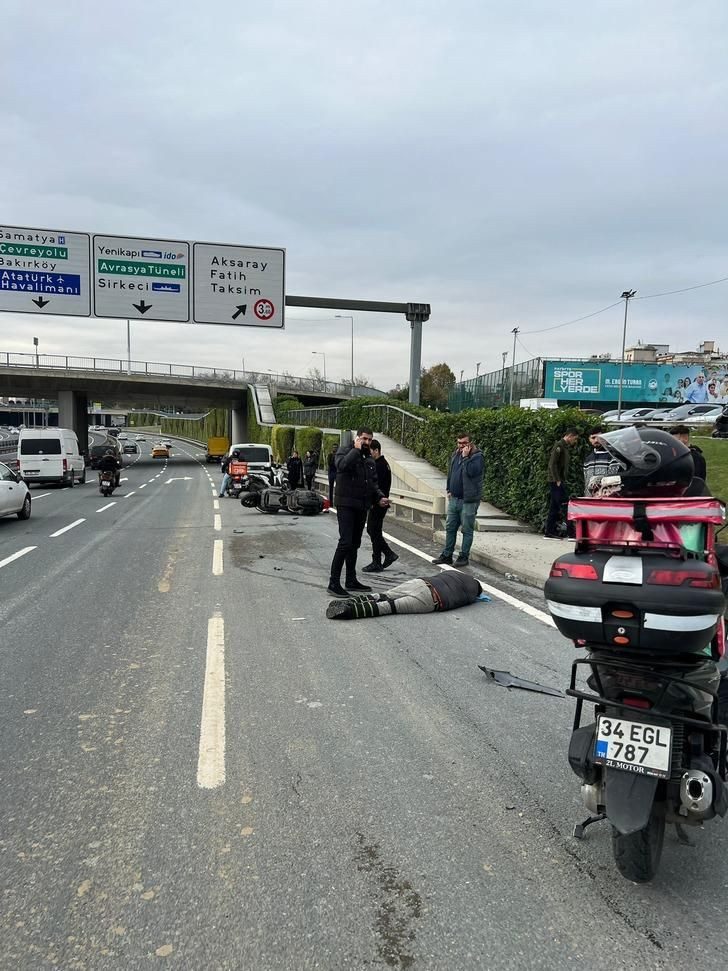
(400, 392)
(435, 385)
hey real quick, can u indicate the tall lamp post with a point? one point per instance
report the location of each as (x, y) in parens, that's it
(477, 369)
(626, 296)
(513, 364)
(35, 344)
(323, 355)
(504, 355)
(349, 317)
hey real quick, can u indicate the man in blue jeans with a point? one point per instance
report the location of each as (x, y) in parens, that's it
(464, 491)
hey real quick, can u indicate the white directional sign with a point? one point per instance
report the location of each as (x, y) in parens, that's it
(44, 271)
(138, 278)
(239, 285)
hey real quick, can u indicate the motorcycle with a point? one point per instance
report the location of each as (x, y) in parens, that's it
(107, 483)
(239, 479)
(269, 499)
(642, 596)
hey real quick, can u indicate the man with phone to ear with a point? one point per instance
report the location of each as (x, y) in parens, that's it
(355, 491)
(464, 492)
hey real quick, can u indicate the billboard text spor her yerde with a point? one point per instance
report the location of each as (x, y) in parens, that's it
(668, 384)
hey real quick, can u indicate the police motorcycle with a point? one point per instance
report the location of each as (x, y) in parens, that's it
(642, 600)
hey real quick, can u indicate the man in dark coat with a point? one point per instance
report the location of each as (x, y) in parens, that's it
(682, 434)
(332, 474)
(356, 490)
(295, 470)
(557, 475)
(464, 492)
(375, 518)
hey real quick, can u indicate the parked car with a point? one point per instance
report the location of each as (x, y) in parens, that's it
(691, 413)
(659, 414)
(51, 455)
(14, 494)
(633, 414)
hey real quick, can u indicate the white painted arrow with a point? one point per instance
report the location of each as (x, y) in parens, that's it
(179, 478)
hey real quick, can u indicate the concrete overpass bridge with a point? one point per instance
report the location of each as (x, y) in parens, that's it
(74, 381)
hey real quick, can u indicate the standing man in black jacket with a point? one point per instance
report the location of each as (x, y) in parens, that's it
(557, 474)
(356, 491)
(375, 519)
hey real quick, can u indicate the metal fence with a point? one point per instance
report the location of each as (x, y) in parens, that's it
(498, 388)
(282, 380)
(388, 419)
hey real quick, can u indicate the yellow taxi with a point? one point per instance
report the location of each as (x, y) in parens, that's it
(160, 452)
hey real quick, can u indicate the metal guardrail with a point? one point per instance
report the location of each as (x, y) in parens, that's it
(387, 419)
(287, 382)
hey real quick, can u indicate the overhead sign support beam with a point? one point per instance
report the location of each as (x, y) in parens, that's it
(416, 314)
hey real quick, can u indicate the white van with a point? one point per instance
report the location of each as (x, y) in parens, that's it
(50, 455)
(258, 456)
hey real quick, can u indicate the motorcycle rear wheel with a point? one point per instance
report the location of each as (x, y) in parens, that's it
(637, 855)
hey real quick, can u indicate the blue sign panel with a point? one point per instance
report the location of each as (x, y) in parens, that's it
(668, 384)
(166, 287)
(34, 282)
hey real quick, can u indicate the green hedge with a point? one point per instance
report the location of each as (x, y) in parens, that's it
(284, 404)
(282, 442)
(214, 423)
(308, 440)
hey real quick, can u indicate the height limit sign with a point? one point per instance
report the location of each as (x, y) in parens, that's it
(239, 285)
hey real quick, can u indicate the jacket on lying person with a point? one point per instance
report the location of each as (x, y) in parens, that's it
(422, 595)
(356, 478)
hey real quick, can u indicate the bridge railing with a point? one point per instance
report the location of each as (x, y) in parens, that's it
(281, 379)
(392, 421)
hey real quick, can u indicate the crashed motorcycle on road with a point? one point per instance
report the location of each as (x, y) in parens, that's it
(641, 596)
(259, 494)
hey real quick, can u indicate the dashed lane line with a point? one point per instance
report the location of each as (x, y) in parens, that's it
(217, 558)
(60, 532)
(218, 523)
(216, 504)
(143, 486)
(34, 498)
(211, 754)
(107, 506)
(16, 556)
(130, 494)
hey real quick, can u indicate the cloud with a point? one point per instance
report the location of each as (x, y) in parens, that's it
(507, 163)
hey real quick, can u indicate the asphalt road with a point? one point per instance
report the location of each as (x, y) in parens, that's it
(199, 770)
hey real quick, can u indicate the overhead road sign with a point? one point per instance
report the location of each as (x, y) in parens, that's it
(238, 285)
(44, 271)
(135, 277)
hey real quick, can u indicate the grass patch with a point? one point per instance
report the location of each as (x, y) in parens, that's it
(715, 451)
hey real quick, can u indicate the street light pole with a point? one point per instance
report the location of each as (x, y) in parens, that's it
(477, 369)
(35, 344)
(626, 296)
(351, 318)
(323, 355)
(513, 363)
(128, 347)
(504, 355)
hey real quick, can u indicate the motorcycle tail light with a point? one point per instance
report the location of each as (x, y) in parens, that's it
(621, 640)
(577, 571)
(637, 702)
(680, 578)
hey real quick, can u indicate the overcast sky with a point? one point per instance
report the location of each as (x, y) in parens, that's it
(510, 163)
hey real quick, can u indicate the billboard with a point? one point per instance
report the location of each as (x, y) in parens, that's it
(666, 384)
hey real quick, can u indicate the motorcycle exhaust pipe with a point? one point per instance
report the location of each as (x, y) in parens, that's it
(696, 792)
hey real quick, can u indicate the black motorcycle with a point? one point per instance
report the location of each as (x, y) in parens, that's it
(649, 620)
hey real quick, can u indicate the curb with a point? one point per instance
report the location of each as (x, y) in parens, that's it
(506, 567)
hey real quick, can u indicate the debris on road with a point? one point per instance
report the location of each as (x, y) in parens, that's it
(509, 680)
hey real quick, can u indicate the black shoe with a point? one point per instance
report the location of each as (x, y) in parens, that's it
(373, 567)
(389, 559)
(355, 585)
(336, 590)
(551, 536)
(462, 561)
(443, 559)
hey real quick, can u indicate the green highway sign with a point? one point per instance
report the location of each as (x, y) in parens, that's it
(44, 271)
(136, 277)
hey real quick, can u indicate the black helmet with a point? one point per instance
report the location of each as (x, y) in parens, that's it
(109, 451)
(652, 462)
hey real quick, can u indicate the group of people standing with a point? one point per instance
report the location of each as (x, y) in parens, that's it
(598, 464)
(302, 470)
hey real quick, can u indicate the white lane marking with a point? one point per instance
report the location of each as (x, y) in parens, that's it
(107, 506)
(125, 479)
(218, 523)
(152, 479)
(216, 504)
(143, 486)
(60, 532)
(211, 756)
(34, 498)
(217, 558)
(494, 591)
(16, 556)
(130, 494)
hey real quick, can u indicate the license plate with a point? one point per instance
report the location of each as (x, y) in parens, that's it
(31, 472)
(633, 746)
